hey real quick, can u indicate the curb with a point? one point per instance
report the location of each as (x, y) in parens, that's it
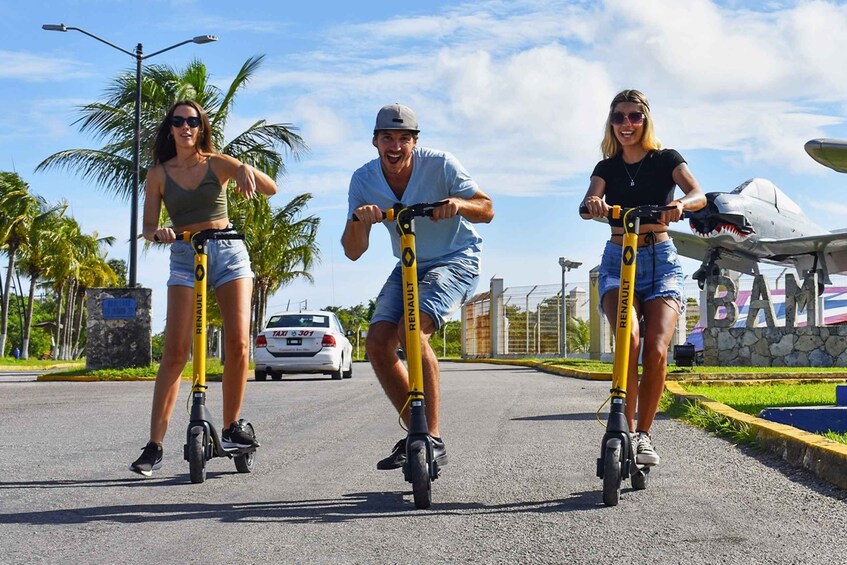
(563, 371)
(48, 378)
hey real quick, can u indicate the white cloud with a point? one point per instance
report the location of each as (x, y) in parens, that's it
(19, 66)
(524, 86)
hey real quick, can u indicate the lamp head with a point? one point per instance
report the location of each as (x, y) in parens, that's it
(55, 27)
(568, 264)
(204, 39)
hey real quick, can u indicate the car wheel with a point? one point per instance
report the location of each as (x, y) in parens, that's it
(349, 372)
(260, 375)
(276, 375)
(336, 375)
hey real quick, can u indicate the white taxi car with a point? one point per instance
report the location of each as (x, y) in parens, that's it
(303, 342)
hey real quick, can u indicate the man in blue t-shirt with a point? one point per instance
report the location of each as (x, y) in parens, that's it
(447, 249)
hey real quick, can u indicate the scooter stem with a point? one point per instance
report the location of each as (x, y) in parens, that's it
(200, 267)
(411, 320)
(625, 311)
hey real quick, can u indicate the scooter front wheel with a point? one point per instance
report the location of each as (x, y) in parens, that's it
(197, 454)
(612, 474)
(419, 475)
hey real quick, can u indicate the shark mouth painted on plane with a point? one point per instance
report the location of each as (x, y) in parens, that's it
(721, 229)
(715, 221)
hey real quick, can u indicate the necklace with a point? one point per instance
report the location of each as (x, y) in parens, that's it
(632, 177)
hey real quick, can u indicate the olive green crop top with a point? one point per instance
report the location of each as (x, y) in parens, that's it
(205, 203)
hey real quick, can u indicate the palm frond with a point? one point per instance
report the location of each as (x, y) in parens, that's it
(111, 172)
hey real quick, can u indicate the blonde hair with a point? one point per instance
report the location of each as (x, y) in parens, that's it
(611, 146)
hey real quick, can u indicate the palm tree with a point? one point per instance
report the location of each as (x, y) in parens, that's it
(18, 211)
(282, 247)
(110, 167)
(36, 261)
(262, 145)
(95, 272)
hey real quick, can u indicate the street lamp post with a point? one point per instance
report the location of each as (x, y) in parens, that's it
(139, 56)
(566, 265)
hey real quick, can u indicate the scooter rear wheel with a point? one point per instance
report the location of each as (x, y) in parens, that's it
(245, 463)
(197, 454)
(612, 474)
(419, 474)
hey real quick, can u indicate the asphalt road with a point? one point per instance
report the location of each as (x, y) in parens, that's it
(519, 488)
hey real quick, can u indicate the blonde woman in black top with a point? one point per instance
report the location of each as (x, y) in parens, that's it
(635, 171)
(190, 177)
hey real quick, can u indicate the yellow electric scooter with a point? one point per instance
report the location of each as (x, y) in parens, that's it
(420, 467)
(202, 440)
(617, 457)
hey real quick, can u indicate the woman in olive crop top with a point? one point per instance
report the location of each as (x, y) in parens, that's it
(190, 177)
(636, 171)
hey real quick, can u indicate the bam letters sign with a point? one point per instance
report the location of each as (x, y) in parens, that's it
(797, 298)
(788, 345)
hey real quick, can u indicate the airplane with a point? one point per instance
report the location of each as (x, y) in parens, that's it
(757, 222)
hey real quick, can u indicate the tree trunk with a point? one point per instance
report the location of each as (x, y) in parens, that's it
(30, 305)
(60, 295)
(69, 317)
(80, 310)
(4, 311)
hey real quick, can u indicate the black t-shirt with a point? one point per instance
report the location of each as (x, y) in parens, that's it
(650, 181)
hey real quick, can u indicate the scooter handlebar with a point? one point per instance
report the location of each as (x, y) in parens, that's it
(649, 211)
(206, 235)
(421, 209)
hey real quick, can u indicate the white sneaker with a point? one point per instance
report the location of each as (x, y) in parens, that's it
(633, 440)
(644, 452)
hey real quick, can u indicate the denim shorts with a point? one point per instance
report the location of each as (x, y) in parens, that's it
(227, 260)
(442, 288)
(658, 273)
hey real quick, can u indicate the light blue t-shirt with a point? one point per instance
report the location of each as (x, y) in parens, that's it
(436, 175)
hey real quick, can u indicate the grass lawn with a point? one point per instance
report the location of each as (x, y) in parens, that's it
(214, 370)
(753, 398)
(601, 367)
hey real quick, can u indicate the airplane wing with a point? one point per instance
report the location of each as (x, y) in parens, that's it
(800, 252)
(696, 247)
(830, 153)
(833, 242)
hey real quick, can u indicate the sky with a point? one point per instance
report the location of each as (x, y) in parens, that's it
(518, 90)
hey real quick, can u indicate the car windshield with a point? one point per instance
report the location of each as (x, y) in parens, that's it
(298, 321)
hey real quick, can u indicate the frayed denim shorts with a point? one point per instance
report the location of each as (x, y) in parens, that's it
(442, 288)
(658, 273)
(227, 260)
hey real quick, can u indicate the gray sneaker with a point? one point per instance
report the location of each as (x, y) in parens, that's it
(644, 452)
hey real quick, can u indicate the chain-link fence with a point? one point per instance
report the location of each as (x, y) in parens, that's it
(527, 321)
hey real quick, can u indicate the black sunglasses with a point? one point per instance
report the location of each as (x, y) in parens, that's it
(635, 118)
(193, 121)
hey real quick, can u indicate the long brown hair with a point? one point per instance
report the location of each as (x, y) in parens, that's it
(164, 148)
(611, 146)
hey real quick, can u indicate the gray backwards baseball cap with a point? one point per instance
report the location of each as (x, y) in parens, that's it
(396, 116)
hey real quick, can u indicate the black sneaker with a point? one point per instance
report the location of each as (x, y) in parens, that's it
(398, 454)
(439, 450)
(396, 459)
(238, 435)
(151, 459)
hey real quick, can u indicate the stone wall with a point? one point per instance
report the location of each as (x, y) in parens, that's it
(119, 328)
(815, 346)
